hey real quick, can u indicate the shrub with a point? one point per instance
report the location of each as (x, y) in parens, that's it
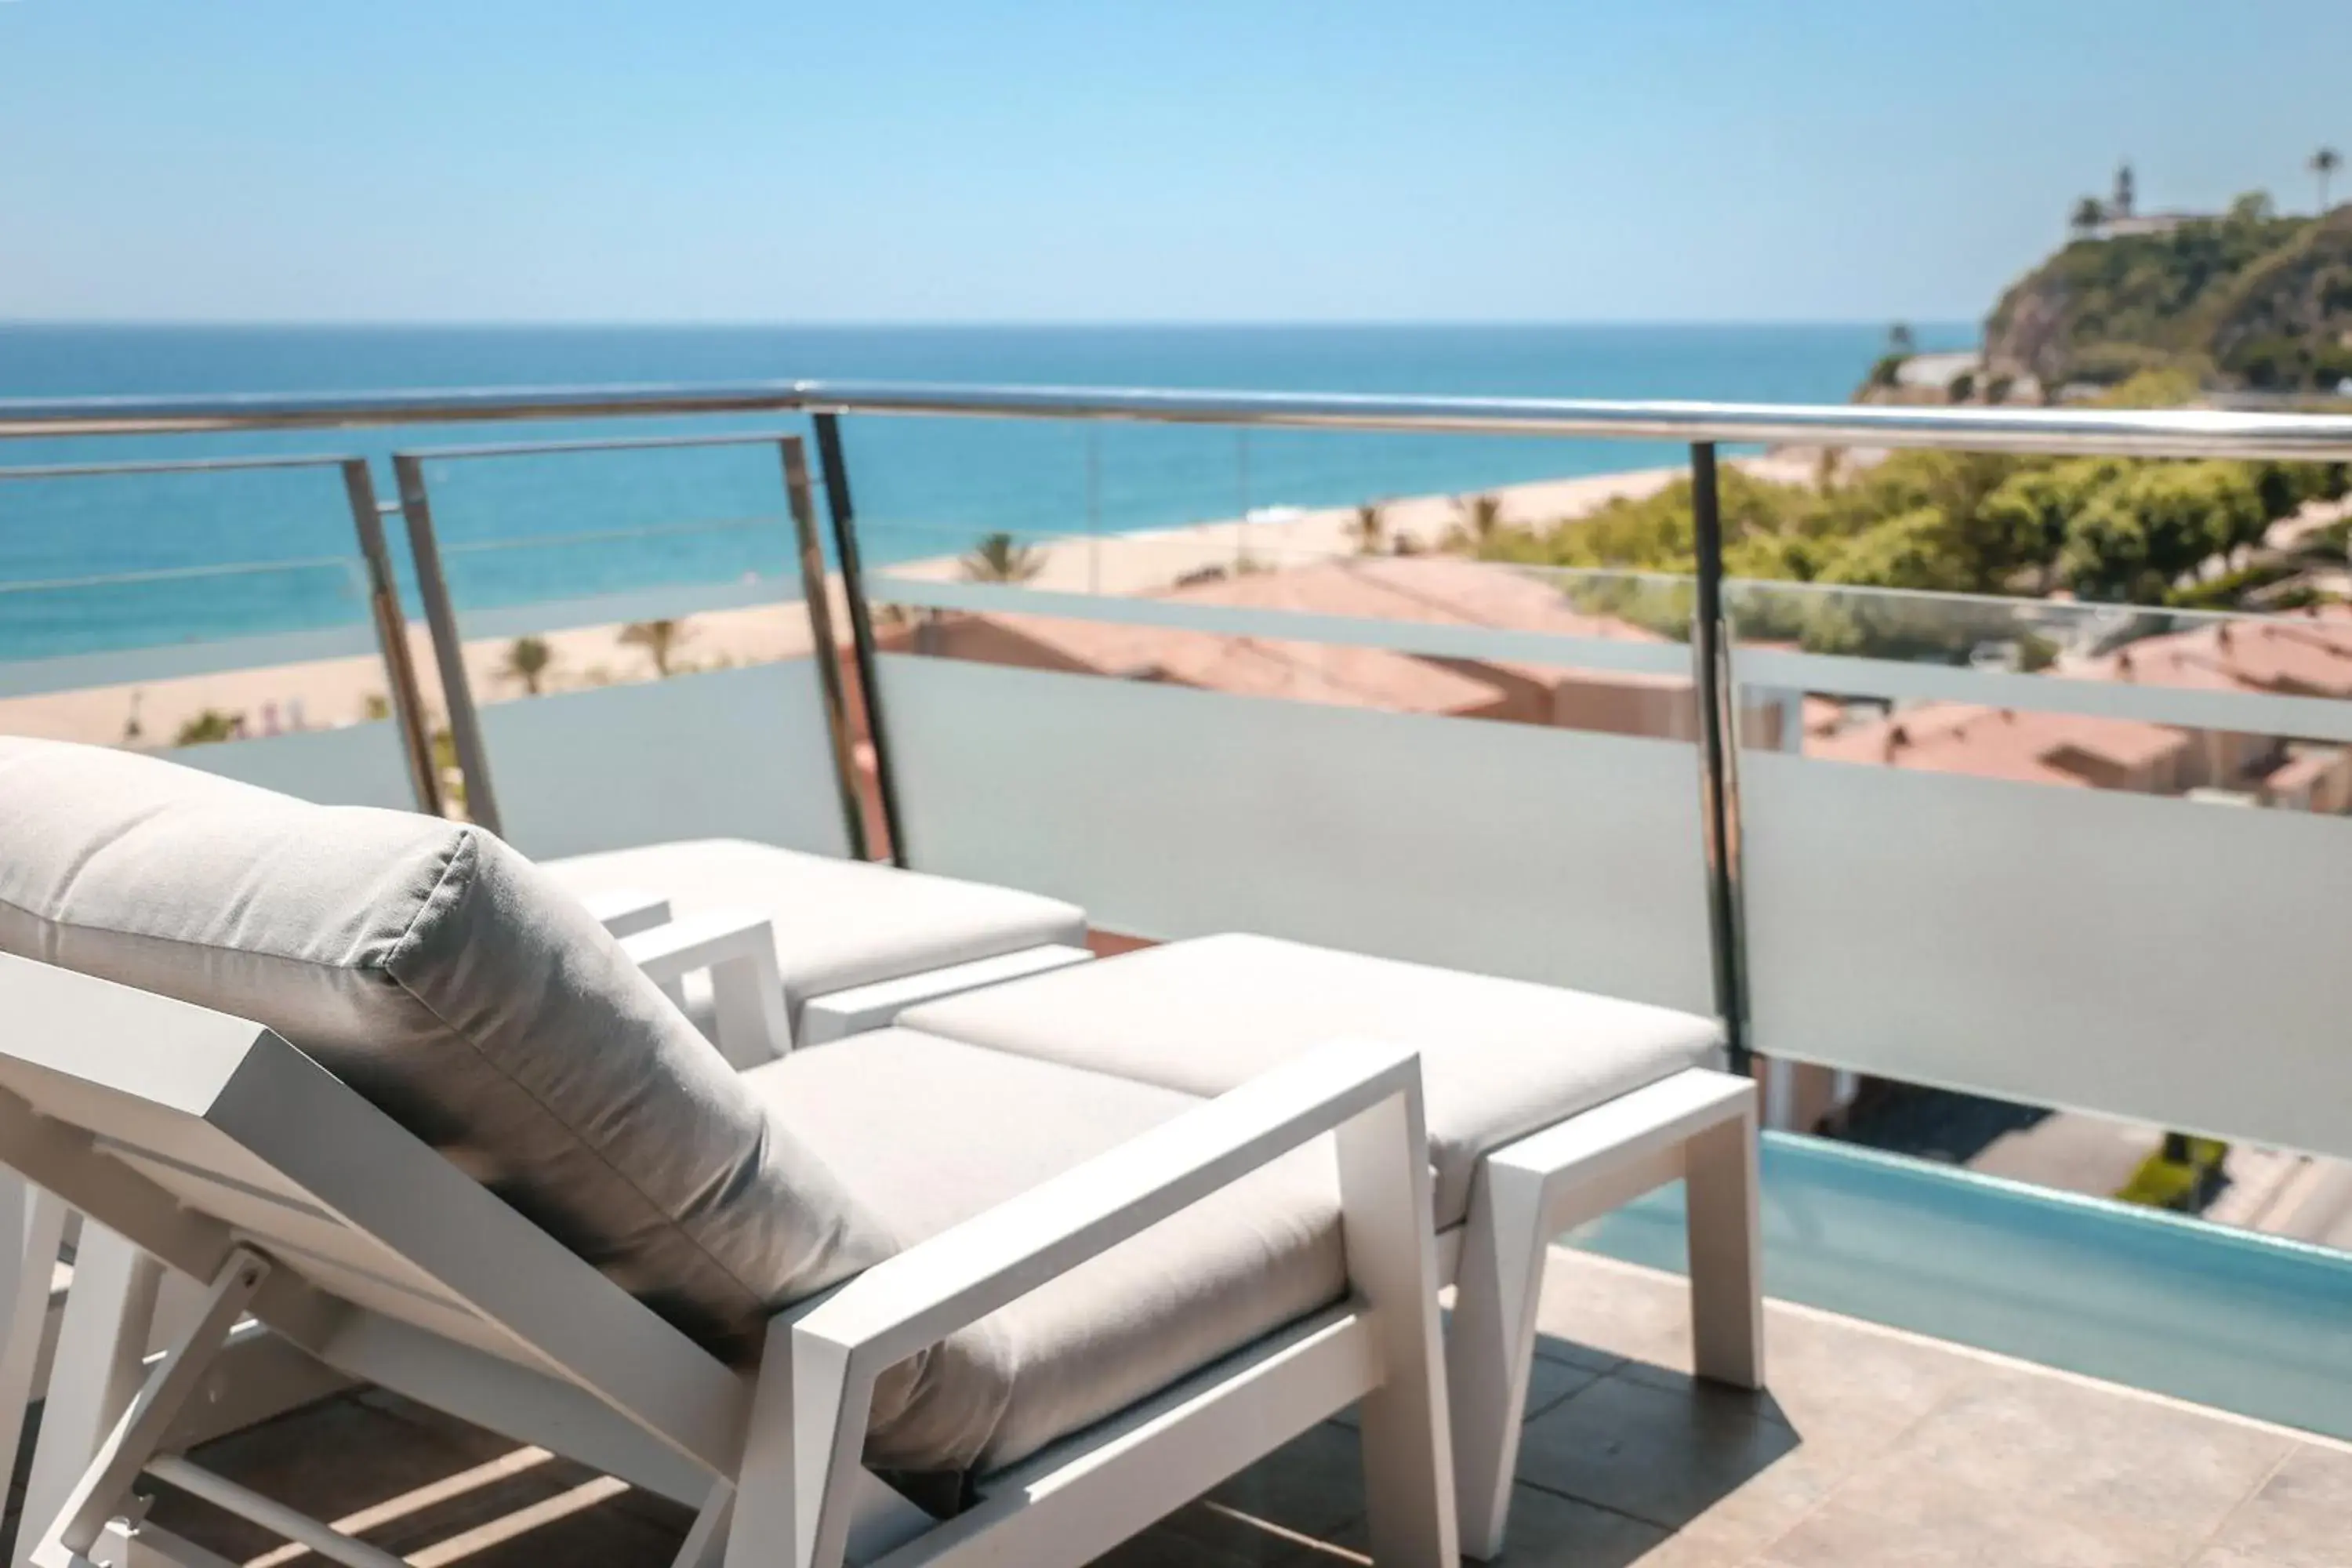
(208, 727)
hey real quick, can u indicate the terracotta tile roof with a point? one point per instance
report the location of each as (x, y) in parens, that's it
(2303, 654)
(2301, 771)
(1435, 589)
(2002, 742)
(1439, 589)
(1250, 667)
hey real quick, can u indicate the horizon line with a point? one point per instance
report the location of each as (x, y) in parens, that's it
(1085, 325)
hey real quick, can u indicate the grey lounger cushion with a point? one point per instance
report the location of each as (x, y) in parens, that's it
(437, 971)
(931, 1132)
(838, 924)
(442, 976)
(1499, 1058)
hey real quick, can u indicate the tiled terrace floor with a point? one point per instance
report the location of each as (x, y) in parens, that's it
(1874, 1449)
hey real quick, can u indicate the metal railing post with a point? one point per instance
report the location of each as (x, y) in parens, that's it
(391, 634)
(1718, 788)
(448, 649)
(816, 594)
(861, 622)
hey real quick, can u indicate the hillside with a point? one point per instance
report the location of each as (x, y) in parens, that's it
(2249, 299)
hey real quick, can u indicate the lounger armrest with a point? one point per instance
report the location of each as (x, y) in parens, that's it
(1368, 1092)
(738, 949)
(626, 911)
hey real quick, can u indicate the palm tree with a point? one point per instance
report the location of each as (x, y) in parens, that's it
(660, 639)
(527, 661)
(1482, 519)
(2324, 162)
(1370, 526)
(1000, 558)
(1899, 340)
(2088, 216)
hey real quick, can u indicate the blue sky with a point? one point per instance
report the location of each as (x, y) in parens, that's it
(743, 160)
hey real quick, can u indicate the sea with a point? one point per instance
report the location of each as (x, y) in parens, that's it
(97, 563)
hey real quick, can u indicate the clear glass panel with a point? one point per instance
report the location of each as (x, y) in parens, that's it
(2060, 637)
(1135, 681)
(648, 677)
(120, 625)
(1163, 502)
(1990, 906)
(2232, 708)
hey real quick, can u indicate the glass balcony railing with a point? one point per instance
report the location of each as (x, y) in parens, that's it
(1925, 853)
(174, 645)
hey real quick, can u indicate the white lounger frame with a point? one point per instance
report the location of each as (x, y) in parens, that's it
(103, 1328)
(222, 1151)
(629, 912)
(1697, 1126)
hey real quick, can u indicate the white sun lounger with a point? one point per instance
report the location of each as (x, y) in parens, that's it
(743, 936)
(1547, 1108)
(1082, 1300)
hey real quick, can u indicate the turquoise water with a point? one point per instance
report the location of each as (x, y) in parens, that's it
(2252, 1323)
(519, 530)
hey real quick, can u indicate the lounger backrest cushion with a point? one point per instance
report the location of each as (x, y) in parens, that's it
(442, 976)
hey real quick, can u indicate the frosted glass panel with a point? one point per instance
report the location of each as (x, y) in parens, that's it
(2145, 957)
(1546, 854)
(360, 764)
(739, 753)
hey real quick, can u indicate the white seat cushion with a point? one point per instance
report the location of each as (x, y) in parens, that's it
(929, 1132)
(838, 924)
(1499, 1058)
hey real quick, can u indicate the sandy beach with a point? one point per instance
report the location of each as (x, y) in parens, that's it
(334, 692)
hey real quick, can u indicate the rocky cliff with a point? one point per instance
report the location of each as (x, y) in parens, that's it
(2247, 300)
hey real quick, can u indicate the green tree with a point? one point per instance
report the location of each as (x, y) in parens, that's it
(2324, 165)
(1370, 528)
(1899, 340)
(1001, 558)
(209, 726)
(2252, 207)
(2133, 537)
(2106, 555)
(1914, 549)
(660, 639)
(528, 660)
(2023, 520)
(2087, 216)
(2165, 386)
(1482, 519)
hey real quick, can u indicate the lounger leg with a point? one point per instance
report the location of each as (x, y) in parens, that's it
(706, 1542)
(39, 1216)
(1384, 1192)
(101, 1346)
(1490, 1350)
(1727, 1251)
(105, 1483)
(765, 1518)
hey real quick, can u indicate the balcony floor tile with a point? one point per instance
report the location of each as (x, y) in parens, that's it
(1873, 1447)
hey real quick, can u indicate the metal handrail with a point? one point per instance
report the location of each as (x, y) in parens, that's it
(2173, 432)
